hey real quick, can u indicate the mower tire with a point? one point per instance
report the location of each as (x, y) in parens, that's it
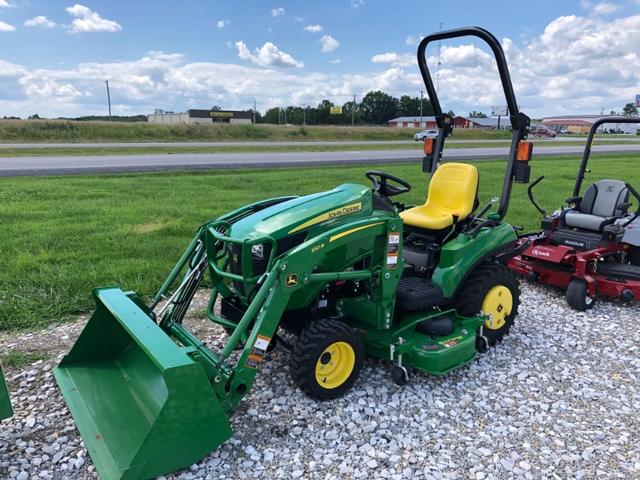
(492, 290)
(578, 297)
(326, 359)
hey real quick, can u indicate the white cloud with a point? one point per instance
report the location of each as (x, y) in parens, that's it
(357, 3)
(395, 59)
(577, 65)
(300, 18)
(4, 3)
(267, 56)
(86, 20)
(335, 61)
(413, 39)
(605, 8)
(329, 44)
(222, 23)
(313, 28)
(276, 12)
(5, 27)
(39, 21)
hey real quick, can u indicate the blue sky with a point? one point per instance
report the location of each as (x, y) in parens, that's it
(568, 56)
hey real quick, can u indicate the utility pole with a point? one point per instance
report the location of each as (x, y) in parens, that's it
(420, 108)
(108, 98)
(353, 111)
(304, 115)
(285, 117)
(254, 110)
(279, 114)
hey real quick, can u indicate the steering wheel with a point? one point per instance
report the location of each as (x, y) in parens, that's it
(380, 183)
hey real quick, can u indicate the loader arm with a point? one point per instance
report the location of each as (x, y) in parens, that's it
(136, 371)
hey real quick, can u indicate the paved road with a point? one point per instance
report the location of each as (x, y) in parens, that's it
(13, 166)
(291, 143)
(228, 144)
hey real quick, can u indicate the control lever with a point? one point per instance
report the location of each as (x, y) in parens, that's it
(486, 208)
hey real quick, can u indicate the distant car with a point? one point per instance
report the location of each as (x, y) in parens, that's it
(420, 136)
(542, 132)
(564, 131)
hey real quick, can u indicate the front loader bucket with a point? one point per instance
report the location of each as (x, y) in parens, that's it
(5, 402)
(142, 405)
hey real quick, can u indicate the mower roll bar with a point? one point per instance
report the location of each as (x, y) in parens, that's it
(519, 121)
(587, 149)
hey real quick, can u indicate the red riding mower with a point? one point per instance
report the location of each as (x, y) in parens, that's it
(592, 247)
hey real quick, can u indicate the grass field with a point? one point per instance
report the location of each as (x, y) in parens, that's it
(61, 236)
(16, 131)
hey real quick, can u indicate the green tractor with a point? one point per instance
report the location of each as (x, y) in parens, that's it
(350, 272)
(5, 402)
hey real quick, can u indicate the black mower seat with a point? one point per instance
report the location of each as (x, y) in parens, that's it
(599, 206)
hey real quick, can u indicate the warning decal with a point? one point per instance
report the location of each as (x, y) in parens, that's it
(392, 250)
(258, 351)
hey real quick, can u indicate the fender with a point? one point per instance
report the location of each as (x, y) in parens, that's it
(461, 255)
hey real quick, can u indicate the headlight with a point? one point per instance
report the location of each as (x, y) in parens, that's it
(257, 251)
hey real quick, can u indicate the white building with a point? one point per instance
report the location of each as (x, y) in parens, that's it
(206, 117)
(582, 124)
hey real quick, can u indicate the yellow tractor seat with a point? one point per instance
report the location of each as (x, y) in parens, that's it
(452, 191)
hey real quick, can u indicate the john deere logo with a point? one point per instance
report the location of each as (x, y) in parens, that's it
(610, 188)
(291, 280)
(356, 207)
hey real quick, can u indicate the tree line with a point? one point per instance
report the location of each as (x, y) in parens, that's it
(376, 108)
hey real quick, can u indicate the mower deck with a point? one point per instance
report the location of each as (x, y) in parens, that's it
(558, 265)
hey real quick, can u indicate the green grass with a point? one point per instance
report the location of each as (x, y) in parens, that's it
(64, 235)
(92, 151)
(19, 359)
(15, 131)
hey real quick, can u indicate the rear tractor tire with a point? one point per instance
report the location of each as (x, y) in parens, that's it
(578, 295)
(490, 289)
(326, 359)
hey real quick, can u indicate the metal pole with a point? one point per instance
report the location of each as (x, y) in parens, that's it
(304, 111)
(254, 110)
(353, 111)
(108, 98)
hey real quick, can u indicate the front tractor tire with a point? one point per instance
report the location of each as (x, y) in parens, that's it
(491, 289)
(326, 359)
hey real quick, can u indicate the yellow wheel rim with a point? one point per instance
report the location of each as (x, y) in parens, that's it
(335, 364)
(497, 304)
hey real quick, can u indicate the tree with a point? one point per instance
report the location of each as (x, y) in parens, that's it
(215, 108)
(378, 107)
(475, 114)
(35, 116)
(630, 110)
(408, 106)
(272, 115)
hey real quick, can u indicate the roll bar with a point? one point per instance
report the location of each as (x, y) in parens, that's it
(519, 121)
(587, 149)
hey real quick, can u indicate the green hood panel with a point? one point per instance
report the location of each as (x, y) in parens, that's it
(348, 201)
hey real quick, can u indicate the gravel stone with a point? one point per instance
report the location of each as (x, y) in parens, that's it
(558, 398)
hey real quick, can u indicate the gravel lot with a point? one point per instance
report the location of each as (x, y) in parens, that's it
(559, 398)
